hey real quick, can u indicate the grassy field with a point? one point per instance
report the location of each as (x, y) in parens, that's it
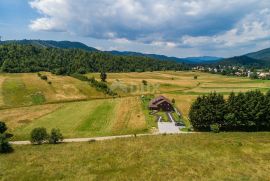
(224, 156)
(80, 110)
(182, 86)
(80, 119)
(28, 89)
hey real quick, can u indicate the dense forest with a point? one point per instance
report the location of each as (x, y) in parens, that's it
(17, 58)
(248, 111)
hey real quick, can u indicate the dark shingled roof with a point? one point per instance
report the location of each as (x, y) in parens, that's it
(155, 102)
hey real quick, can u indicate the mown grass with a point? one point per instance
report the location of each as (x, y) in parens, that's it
(123, 116)
(225, 156)
(87, 119)
(28, 89)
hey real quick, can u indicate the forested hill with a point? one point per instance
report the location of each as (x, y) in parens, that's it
(30, 58)
(259, 59)
(51, 44)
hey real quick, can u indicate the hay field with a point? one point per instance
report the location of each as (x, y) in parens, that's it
(87, 117)
(184, 82)
(224, 156)
(28, 89)
(182, 86)
(81, 119)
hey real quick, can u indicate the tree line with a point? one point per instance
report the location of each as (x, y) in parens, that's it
(248, 111)
(15, 58)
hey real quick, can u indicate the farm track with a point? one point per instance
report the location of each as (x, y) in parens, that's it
(79, 140)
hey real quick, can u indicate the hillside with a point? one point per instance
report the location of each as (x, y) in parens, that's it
(243, 61)
(16, 58)
(259, 59)
(262, 54)
(190, 60)
(51, 44)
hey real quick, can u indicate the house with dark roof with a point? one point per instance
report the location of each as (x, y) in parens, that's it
(161, 103)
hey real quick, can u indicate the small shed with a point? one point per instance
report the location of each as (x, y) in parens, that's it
(161, 103)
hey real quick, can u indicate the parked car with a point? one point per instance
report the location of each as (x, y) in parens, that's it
(179, 124)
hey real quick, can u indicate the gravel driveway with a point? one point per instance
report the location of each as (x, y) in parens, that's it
(166, 127)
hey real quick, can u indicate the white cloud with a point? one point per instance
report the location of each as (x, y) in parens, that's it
(170, 23)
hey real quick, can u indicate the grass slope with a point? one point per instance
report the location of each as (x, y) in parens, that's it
(87, 119)
(225, 156)
(28, 89)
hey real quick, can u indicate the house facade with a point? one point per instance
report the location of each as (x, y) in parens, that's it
(161, 103)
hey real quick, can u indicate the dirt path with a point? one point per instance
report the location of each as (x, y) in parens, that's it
(78, 140)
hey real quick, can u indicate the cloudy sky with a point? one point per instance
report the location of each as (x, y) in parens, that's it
(172, 27)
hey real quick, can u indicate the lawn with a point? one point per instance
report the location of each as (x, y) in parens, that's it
(82, 119)
(224, 156)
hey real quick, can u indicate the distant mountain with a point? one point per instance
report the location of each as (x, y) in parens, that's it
(242, 60)
(79, 45)
(52, 44)
(191, 60)
(256, 59)
(202, 59)
(261, 55)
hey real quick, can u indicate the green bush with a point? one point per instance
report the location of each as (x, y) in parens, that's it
(215, 128)
(55, 136)
(39, 135)
(144, 82)
(44, 77)
(5, 147)
(3, 127)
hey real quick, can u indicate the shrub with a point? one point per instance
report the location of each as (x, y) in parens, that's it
(173, 101)
(5, 147)
(103, 76)
(3, 127)
(215, 128)
(39, 135)
(44, 77)
(195, 77)
(144, 82)
(49, 82)
(55, 136)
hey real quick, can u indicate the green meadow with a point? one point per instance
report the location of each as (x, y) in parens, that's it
(79, 110)
(204, 156)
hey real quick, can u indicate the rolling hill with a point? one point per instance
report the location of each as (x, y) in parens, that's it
(52, 44)
(259, 59)
(79, 45)
(190, 60)
(261, 55)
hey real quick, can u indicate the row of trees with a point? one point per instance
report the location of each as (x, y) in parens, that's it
(29, 58)
(100, 86)
(248, 111)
